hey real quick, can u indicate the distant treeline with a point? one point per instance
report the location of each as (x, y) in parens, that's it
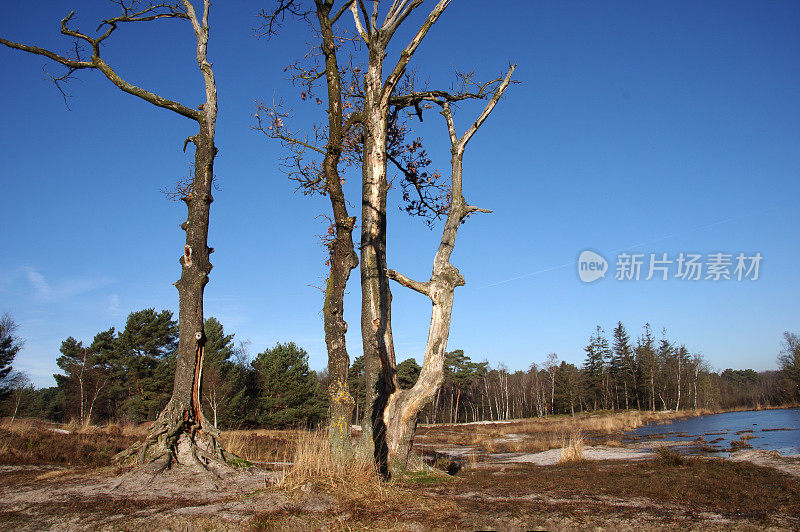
(648, 374)
(127, 376)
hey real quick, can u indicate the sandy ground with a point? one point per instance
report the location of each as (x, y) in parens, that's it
(787, 464)
(68, 498)
(552, 456)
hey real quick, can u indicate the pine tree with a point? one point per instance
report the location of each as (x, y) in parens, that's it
(288, 392)
(646, 363)
(596, 370)
(144, 363)
(9, 347)
(407, 373)
(665, 358)
(623, 365)
(459, 372)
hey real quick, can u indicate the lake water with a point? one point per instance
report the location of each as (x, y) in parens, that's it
(776, 430)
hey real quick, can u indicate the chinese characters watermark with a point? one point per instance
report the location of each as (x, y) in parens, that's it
(661, 266)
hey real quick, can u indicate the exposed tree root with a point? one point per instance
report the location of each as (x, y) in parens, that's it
(176, 439)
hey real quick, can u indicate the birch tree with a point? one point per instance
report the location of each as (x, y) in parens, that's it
(181, 432)
(551, 366)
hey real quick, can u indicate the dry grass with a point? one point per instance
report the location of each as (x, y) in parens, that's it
(312, 463)
(34, 442)
(260, 446)
(572, 449)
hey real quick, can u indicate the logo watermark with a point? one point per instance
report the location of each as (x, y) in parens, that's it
(662, 266)
(591, 266)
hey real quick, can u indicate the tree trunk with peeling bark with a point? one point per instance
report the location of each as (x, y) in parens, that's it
(376, 331)
(181, 433)
(376, 297)
(400, 414)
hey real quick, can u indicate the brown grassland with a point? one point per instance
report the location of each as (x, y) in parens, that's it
(62, 478)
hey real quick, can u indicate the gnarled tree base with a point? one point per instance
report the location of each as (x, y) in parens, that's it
(177, 439)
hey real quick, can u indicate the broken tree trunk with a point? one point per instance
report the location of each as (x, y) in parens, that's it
(181, 430)
(180, 433)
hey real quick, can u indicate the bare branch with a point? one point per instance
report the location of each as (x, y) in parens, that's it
(145, 95)
(206, 9)
(478, 92)
(363, 9)
(341, 11)
(397, 14)
(273, 20)
(447, 113)
(151, 12)
(488, 109)
(74, 65)
(357, 18)
(408, 51)
(98, 63)
(373, 21)
(422, 288)
(308, 175)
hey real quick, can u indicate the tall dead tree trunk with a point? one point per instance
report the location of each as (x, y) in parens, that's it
(181, 433)
(376, 330)
(401, 411)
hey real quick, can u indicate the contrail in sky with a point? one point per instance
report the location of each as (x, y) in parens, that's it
(665, 237)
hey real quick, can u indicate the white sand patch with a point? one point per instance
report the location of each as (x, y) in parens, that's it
(552, 456)
(787, 464)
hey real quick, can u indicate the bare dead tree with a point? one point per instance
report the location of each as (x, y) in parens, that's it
(329, 143)
(376, 332)
(403, 406)
(181, 433)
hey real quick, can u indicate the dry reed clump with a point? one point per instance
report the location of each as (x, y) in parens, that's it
(738, 445)
(313, 467)
(572, 449)
(483, 441)
(670, 457)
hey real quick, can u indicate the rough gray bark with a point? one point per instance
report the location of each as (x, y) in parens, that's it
(181, 433)
(326, 180)
(401, 411)
(343, 257)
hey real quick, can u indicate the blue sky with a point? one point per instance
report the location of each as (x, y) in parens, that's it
(638, 127)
